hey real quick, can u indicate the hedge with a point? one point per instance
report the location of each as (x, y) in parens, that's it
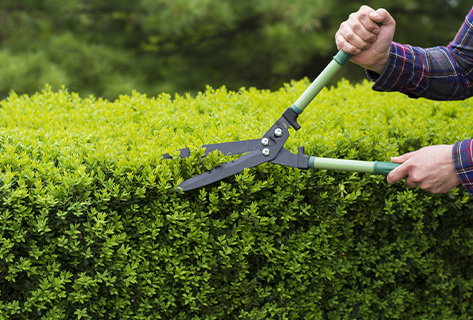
(90, 227)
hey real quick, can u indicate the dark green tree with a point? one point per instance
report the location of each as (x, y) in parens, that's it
(107, 48)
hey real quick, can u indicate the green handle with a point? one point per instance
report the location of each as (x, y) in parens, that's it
(324, 77)
(342, 57)
(376, 167)
(384, 168)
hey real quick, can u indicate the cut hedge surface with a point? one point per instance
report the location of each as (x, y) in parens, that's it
(90, 227)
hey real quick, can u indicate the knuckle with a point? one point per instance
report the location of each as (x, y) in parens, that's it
(356, 27)
(365, 7)
(382, 11)
(350, 37)
(372, 28)
(339, 39)
(343, 25)
(416, 178)
(338, 43)
(362, 15)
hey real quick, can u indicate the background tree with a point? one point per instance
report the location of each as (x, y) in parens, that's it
(108, 48)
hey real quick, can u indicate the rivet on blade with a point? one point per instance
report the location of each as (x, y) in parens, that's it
(278, 132)
(266, 152)
(265, 141)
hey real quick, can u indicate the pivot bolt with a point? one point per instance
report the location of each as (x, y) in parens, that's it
(266, 152)
(265, 141)
(278, 132)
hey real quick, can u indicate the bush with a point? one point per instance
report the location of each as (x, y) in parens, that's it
(90, 227)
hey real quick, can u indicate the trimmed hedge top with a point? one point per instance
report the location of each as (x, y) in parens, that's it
(90, 227)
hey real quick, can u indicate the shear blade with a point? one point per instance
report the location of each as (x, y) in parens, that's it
(226, 148)
(223, 171)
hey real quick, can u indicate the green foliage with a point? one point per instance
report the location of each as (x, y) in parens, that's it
(112, 47)
(27, 71)
(90, 227)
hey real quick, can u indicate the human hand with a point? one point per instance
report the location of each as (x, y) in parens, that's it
(361, 36)
(430, 168)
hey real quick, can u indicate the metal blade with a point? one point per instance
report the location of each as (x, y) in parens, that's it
(224, 170)
(234, 147)
(262, 150)
(226, 148)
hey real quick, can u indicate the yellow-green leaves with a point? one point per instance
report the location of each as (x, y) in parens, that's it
(91, 228)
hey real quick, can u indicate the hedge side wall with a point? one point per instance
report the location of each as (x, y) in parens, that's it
(90, 227)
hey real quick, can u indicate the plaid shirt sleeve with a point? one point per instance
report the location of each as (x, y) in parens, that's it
(463, 162)
(439, 73)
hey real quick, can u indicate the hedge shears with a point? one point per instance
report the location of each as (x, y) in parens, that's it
(270, 147)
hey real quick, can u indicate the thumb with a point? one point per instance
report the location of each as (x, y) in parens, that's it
(382, 16)
(401, 171)
(398, 173)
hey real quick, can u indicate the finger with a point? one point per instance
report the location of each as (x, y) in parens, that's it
(411, 183)
(350, 36)
(402, 158)
(367, 28)
(363, 30)
(398, 173)
(343, 44)
(382, 16)
(364, 12)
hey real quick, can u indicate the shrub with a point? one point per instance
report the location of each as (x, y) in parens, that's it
(90, 227)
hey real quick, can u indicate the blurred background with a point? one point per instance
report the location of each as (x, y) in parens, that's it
(111, 47)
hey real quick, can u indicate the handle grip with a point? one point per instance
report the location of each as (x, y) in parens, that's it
(376, 167)
(324, 77)
(384, 168)
(342, 57)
